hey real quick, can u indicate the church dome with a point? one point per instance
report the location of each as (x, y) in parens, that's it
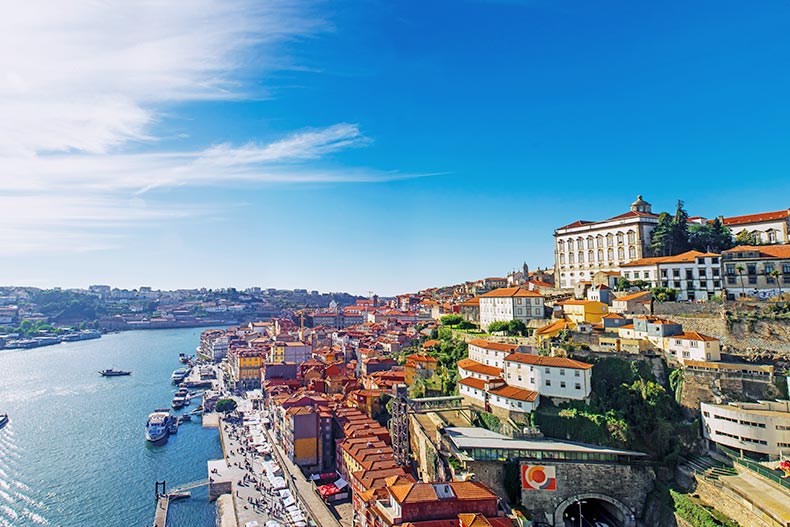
(641, 205)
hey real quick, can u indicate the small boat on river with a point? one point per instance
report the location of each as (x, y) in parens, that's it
(114, 373)
(3, 420)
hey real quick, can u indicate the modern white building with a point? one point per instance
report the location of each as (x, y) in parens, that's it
(691, 345)
(557, 377)
(510, 303)
(490, 353)
(584, 248)
(475, 370)
(694, 275)
(761, 428)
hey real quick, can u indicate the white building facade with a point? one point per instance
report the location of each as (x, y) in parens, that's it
(694, 275)
(490, 353)
(691, 345)
(510, 303)
(584, 248)
(556, 377)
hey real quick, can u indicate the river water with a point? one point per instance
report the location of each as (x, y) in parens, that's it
(74, 452)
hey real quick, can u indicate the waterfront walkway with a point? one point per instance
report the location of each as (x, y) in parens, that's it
(251, 499)
(160, 516)
(303, 489)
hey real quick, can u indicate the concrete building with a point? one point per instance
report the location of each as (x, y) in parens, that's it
(495, 396)
(510, 303)
(748, 271)
(759, 429)
(694, 275)
(213, 345)
(584, 248)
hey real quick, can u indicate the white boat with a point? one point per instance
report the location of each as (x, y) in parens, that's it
(179, 375)
(158, 425)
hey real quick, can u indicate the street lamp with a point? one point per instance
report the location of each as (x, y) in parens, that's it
(580, 511)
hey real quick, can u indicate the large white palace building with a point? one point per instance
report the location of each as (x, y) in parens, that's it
(584, 248)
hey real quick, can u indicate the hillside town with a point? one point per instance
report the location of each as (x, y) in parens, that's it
(632, 384)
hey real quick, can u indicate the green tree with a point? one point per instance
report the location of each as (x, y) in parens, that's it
(517, 327)
(417, 388)
(746, 238)
(739, 268)
(623, 284)
(451, 320)
(497, 326)
(711, 237)
(679, 238)
(777, 275)
(664, 294)
(661, 237)
(225, 406)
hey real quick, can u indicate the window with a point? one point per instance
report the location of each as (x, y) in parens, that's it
(562, 371)
(619, 238)
(590, 256)
(689, 274)
(547, 370)
(716, 272)
(730, 270)
(620, 253)
(752, 279)
(589, 242)
(581, 257)
(703, 273)
(562, 384)
(631, 253)
(548, 382)
(631, 237)
(570, 258)
(751, 269)
(610, 254)
(578, 386)
(577, 373)
(609, 240)
(675, 273)
(626, 274)
(600, 255)
(731, 280)
(785, 268)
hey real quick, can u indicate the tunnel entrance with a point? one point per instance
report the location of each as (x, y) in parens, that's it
(592, 510)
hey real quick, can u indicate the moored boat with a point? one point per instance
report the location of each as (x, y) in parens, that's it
(158, 425)
(179, 375)
(3, 420)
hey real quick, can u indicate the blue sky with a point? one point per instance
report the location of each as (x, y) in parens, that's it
(370, 145)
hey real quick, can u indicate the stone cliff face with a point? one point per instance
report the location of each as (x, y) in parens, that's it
(749, 337)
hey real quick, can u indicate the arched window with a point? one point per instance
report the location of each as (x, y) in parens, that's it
(560, 245)
(610, 254)
(562, 259)
(631, 237)
(590, 256)
(570, 257)
(581, 257)
(609, 240)
(579, 244)
(619, 238)
(632, 252)
(620, 253)
(599, 241)
(589, 242)
(600, 255)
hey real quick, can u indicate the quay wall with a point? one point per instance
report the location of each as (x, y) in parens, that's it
(226, 512)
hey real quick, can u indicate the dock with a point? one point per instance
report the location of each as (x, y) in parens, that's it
(160, 517)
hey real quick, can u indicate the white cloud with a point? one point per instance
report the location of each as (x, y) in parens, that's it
(82, 83)
(90, 75)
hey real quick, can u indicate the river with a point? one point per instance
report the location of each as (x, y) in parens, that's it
(74, 453)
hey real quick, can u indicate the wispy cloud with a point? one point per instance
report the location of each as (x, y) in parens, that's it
(84, 83)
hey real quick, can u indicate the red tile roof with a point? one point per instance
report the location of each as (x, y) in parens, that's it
(686, 257)
(511, 392)
(632, 296)
(693, 335)
(497, 346)
(770, 251)
(553, 362)
(476, 367)
(757, 218)
(504, 292)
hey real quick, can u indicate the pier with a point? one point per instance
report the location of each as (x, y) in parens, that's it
(162, 503)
